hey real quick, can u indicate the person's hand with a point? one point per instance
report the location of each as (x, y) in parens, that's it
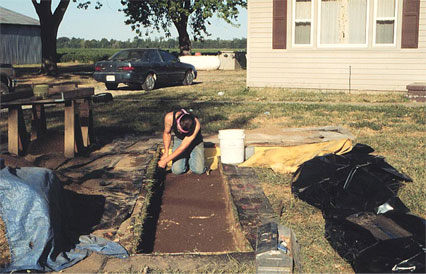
(164, 156)
(162, 163)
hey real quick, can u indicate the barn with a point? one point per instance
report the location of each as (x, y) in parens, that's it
(20, 41)
(336, 44)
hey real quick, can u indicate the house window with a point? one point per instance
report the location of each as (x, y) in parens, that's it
(343, 22)
(302, 25)
(385, 22)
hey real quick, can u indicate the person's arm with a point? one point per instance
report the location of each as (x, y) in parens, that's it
(167, 134)
(184, 145)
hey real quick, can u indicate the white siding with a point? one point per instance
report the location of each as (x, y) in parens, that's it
(371, 68)
(422, 25)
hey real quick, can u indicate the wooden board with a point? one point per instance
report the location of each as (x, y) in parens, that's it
(23, 93)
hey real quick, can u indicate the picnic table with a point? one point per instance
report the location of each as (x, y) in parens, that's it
(78, 119)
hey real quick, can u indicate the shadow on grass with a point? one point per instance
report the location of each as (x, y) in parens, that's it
(137, 115)
(74, 69)
(157, 86)
(146, 117)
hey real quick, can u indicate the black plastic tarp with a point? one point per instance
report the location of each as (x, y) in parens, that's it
(366, 223)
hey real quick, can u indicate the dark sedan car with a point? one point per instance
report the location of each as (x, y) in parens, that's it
(143, 68)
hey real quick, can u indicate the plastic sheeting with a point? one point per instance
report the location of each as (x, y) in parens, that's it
(35, 212)
(366, 223)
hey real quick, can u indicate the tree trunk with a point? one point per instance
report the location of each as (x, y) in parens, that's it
(184, 41)
(48, 50)
(49, 24)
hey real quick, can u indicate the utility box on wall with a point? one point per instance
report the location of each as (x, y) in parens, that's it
(230, 60)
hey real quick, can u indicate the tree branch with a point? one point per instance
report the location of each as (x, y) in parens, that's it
(58, 15)
(36, 6)
(188, 6)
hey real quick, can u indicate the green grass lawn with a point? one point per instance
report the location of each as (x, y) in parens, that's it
(388, 122)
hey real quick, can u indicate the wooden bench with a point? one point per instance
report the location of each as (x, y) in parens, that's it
(78, 120)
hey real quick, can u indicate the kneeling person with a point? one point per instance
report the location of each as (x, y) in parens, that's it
(188, 146)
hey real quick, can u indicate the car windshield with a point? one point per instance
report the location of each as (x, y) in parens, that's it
(133, 55)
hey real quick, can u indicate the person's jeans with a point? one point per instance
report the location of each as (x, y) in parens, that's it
(192, 156)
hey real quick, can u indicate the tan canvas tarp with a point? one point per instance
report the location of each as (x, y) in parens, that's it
(288, 159)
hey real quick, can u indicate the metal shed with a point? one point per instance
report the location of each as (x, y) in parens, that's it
(20, 41)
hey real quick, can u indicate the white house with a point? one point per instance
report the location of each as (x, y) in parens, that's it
(336, 44)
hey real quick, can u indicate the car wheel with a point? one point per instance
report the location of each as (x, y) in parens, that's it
(4, 89)
(111, 85)
(189, 78)
(149, 82)
(134, 86)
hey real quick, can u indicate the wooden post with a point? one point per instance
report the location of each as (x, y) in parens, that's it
(86, 120)
(17, 133)
(69, 131)
(12, 132)
(79, 145)
(73, 139)
(38, 123)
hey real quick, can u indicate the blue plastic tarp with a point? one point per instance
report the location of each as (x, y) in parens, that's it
(33, 209)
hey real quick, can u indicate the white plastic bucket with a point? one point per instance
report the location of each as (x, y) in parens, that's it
(231, 143)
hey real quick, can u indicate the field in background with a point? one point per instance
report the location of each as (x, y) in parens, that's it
(91, 55)
(388, 122)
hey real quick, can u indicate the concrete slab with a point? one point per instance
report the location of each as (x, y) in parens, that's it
(290, 136)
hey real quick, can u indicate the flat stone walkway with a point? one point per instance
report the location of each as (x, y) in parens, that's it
(252, 205)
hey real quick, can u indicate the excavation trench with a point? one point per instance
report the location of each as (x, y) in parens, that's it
(191, 213)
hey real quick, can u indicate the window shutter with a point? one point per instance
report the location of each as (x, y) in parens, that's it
(279, 24)
(410, 24)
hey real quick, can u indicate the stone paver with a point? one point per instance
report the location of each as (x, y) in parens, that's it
(252, 205)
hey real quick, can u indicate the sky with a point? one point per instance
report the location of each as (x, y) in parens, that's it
(108, 22)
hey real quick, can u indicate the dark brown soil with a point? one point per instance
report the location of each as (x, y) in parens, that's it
(194, 215)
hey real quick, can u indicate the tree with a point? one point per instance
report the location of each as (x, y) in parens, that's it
(104, 43)
(63, 42)
(49, 24)
(160, 14)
